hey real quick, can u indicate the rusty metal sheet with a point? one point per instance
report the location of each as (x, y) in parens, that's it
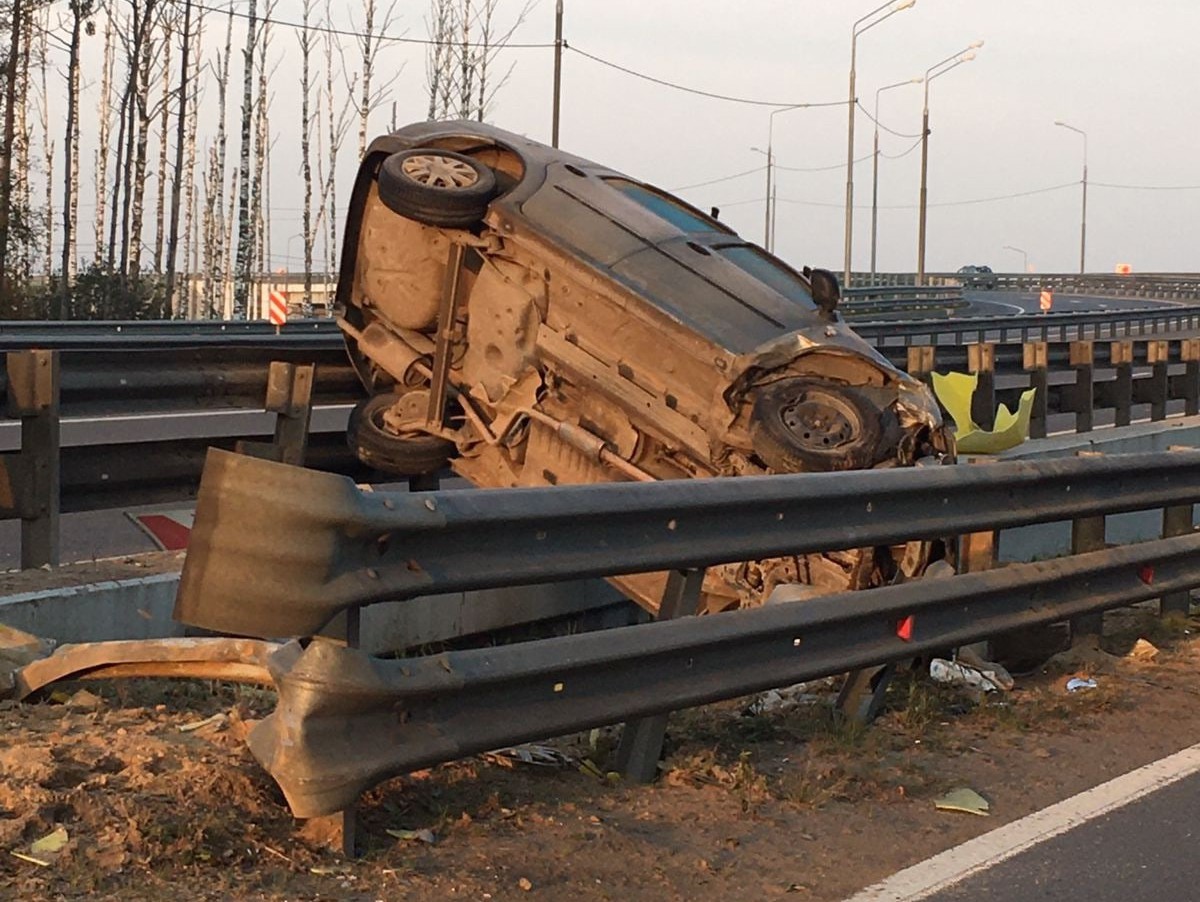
(346, 721)
(236, 660)
(278, 551)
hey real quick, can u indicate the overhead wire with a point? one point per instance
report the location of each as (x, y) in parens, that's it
(890, 131)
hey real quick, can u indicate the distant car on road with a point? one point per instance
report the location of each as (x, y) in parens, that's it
(533, 318)
(977, 277)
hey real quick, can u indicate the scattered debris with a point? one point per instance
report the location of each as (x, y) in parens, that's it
(965, 800)
(331, 870)
(84, 700)
(954, 673)
(217, 719)
(50, 844)
(525, 884)
(31, 859)
(1142, 651)
(784, 699)
(1079, 684)
(423, 835)
(539, 755)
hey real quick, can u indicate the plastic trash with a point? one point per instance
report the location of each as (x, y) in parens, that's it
(1077, 684)
(955, 673)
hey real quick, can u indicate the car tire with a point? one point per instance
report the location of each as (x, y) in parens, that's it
(799, 425)
(436, 187)
(382, 450)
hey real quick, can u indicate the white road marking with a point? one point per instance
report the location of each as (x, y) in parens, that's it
(954, 865)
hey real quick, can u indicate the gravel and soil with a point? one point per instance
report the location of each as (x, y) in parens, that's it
(749, 806)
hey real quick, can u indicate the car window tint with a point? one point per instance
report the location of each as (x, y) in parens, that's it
(673, 211)
(769, 271)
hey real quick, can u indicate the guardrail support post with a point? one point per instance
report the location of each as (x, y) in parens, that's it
(1087, 534)
(349, 815)
(1156, 356)
(1177, 521)
(1082, 360)
(981, 360)
(1121, 356)
(1189, 351)
(289, 397)
(1036, 359)
(30, 479)
(921, 361)
(642, 738)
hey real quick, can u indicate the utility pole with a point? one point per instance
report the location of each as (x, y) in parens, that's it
(558, 48)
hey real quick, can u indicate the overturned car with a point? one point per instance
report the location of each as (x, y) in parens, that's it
(532, 318)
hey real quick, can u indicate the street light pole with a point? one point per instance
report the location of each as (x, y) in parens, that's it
(1024, 256)
(875, 170)
(1083, 218)
(938, 69)
(558, 46)
(772, 187)
(892, 7)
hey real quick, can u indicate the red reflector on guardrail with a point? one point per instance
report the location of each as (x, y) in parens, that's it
(904, 629)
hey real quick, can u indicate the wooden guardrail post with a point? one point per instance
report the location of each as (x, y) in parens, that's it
(642, 738)
(30, 481)
(1036, 361)
(1121, 357)
(289, 397)
(921, 361)
(1177, 521)
(1189, 352)
(1156, 356)
(981, 360)
(1087, 534)
(1082, 360)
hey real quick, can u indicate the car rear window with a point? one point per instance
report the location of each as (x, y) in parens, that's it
(769, 271)
(680, 215)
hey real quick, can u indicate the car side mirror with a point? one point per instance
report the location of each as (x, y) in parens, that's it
(826, 292)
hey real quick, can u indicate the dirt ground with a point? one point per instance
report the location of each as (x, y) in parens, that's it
(750, 805)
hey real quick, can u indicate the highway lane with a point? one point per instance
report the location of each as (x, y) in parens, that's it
(1001, 303)
(1127, 840)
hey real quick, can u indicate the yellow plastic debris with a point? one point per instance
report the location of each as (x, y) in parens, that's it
(965, 800)
(50, 844)
(954, 391)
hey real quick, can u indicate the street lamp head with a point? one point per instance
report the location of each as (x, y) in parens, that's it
(975, 45)
(916, 81)
(967, 57)
(902, 4)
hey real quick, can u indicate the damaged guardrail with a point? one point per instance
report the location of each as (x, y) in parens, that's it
(279, 551)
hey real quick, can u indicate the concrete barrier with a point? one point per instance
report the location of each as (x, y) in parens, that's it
(141, 607)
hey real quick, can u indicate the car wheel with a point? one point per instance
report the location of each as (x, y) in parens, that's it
(436, 187)
(800, 424)
(378, 447)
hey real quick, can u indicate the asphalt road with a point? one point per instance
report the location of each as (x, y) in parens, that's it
(1127, 840)
(1002, 303)
(1139, 853)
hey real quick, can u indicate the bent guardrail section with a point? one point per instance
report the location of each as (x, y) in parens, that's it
(347, 720)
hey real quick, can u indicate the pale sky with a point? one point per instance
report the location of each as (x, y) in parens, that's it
(1125, 73)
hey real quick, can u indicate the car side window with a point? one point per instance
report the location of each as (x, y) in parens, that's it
(769, 271)
(680, 215)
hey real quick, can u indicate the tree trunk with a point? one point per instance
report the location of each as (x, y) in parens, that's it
(164, 123)
(79, 10)
(104, 114)
(306, 156)
(181, 140)
(6, 146)
(245, 235)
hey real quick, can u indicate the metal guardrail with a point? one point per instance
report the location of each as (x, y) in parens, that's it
(140, 335)
(1164, 286)
(347, 548)
(43, 479)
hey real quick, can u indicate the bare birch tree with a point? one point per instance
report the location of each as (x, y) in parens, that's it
(183, 101)
(245, 237)
(104, 120)
(465, 42)
(80, 11)
(214, 187)
(370, 95)
(305, 38)
(164, 142)
(191, 243)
